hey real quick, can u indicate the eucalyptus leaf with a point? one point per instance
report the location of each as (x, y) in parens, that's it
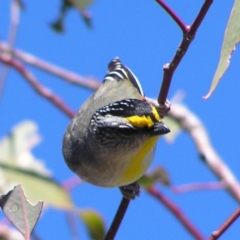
(94, 223)
(231, 39)
(20, 212)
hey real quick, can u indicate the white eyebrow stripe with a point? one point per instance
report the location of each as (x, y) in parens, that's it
(118, 74)
(109, 78)
(117, 71)
(137, 81)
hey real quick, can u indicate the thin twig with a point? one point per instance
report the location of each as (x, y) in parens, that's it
(14, 22)
(198, 186)
(176, 211)
(201, 15)
(173, 15)
(117, 219)
(168, 72)
(216, 234)
(190, 123)
(188, 36)
(71, 77)
(46, 93)
(72, 223)
(71, 183)
(68, 185)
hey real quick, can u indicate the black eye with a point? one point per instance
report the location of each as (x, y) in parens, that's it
(126, 131)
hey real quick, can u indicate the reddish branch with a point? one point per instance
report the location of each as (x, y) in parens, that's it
(177, 213)
(89, 83)
(14, 22)
(189, 33)
(71, 183)
(216, 234)
(173, 15)
(198, 186)
(190, 123)
(117, 219)
(46, 93)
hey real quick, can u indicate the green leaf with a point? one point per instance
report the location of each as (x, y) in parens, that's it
(175, 128)
(15, 148)
(58, 25)
(81, 4)
(94, 223)
(19, 166)
(37, 187)
(158, 174)
(231, 39)
(20, 212)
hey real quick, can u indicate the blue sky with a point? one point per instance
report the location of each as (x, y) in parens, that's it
(145, 38)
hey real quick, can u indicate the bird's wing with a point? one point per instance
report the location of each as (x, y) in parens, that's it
(118, 72)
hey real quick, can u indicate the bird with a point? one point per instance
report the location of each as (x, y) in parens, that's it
(111, 141)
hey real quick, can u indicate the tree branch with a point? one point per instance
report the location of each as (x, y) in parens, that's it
(190, 123)
(71, 183)
(169, 69)
(173, 208)
(46, 93)
(89, 83)
(14, 22)
(198, 186)
(173, 15)
(216, 234)
(117, 219)
(188, 36)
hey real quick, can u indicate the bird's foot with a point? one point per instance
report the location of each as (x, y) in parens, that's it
(162, 109)
(130, 191)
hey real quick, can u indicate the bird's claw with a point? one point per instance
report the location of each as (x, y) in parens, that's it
(164, 108)
(130, 191)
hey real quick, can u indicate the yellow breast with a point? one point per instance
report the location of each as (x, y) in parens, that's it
(139, 163)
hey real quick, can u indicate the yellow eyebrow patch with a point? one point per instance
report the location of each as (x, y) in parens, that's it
(141, 121)
(144, 121)
(155, 114)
